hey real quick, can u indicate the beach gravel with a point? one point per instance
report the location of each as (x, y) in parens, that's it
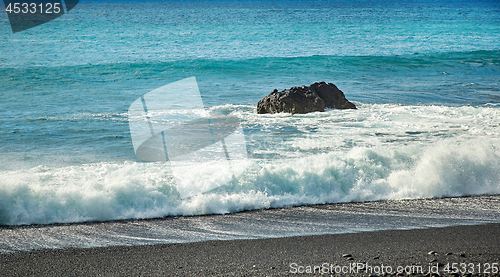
(289, 256)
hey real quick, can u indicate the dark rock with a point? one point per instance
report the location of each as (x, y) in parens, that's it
(305, 99)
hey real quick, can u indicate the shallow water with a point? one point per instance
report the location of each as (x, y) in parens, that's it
(272, 223)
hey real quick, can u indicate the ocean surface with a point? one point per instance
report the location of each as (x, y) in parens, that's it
(425, 76)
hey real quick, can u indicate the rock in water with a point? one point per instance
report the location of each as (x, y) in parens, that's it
(304, 99)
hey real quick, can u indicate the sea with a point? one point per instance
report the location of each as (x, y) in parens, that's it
(421, 150)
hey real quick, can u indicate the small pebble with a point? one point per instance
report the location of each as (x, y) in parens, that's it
(347, 255)
(462, 255)
(448, 254)
(432, 253)
(350, 258)
(433, 261)
(376, 257)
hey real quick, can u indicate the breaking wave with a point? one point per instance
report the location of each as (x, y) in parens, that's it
(374, 153)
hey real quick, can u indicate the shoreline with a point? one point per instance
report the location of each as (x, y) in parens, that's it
(271, 209)
(476, 246)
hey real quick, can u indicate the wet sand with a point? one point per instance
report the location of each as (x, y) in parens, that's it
(475, 249)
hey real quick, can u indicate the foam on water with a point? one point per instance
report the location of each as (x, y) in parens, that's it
(373, 153)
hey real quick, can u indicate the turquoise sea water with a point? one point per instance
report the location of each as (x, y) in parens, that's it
(424, 75)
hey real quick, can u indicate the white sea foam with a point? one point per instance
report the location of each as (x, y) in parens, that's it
(373, 153)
